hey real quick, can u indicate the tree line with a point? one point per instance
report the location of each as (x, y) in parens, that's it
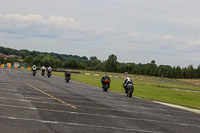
(24, 53)
(110, 65)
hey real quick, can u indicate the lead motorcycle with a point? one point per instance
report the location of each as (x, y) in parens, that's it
(34, 72)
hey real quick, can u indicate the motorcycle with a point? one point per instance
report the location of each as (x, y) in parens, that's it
(130, 89)
(67, 78)
(105, 88)
(34, 72)
(106, 85)
(49, 74)
(43, 72)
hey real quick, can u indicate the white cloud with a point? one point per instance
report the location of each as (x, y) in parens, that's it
(37, 25)
(134, 35)
(53, 27)
(169, 37)
(193, 46)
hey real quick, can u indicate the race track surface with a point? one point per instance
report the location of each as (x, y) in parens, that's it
(50, 105)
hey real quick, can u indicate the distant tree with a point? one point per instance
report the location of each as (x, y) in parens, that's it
(37, 61)
(5, 50)
(45, 62)
(198, 71)
(35, 53)
(93, 63)
(146, 69)
(59, 63)
(136, 70)
(82, 65)
(153, 62)
(73, 63)
(22, 53)
(190, 72)
(153, 68)
(93, 58)
(184, 72)
(2, 60)
(179, 72)
(173, 73)
(29, 60)
(100, 66)
(13, 52)
(161, 70)
(111, 63)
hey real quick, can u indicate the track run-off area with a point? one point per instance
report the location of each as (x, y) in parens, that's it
(40, 104)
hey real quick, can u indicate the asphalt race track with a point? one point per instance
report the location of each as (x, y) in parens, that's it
(49, 105)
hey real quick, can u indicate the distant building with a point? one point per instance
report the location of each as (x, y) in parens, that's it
(19, 57)
(18, 64)
(3, 55)
(10, 56)
(15, 56)
(6, 56)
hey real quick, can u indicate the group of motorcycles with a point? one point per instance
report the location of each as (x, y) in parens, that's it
(129, 87)
(42, 72)
(49, 73)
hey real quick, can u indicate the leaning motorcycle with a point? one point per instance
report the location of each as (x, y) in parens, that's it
(130, 89)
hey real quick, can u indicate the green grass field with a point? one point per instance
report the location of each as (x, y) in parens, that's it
(172, 91)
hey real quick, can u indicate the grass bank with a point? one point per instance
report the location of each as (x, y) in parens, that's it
(153, 88)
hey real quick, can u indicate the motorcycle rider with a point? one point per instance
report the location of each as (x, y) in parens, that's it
(34, 68)
(105, 80)
(67, 74)
(43, 69)
(49, 69)
(126, 82)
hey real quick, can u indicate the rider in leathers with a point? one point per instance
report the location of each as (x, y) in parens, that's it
(104, 78)
(67, 74)
(43, 69)
(126, 82)
(34, 68)
(49, 69)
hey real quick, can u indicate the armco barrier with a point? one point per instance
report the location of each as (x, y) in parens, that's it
(14, 67)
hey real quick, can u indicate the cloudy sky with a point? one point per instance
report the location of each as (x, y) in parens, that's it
(167, 31)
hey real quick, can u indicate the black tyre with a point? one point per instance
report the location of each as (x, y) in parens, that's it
(130, 94)
(105, 87)
(67, 79)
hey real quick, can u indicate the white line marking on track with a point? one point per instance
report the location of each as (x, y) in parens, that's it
(96, 107)
(180, 107)
(77, 124)
(99, 115)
